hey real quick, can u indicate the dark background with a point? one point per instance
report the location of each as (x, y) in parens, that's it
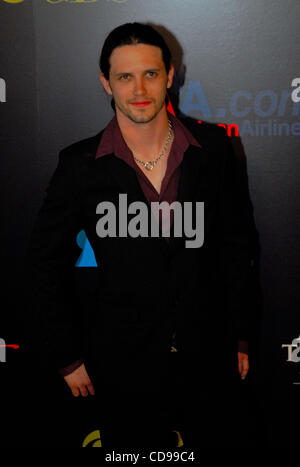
(49, 61)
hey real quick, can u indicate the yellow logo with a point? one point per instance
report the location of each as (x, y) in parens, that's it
(13, 1)
(80, 1)
(180, 441)
(93, 437)
(71, 1)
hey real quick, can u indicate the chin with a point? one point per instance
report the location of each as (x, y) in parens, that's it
(142, 118)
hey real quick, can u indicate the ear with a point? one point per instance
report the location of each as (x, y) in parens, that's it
(170, 76)
(105, 83)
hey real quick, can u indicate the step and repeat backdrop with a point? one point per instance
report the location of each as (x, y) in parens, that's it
(237, 64)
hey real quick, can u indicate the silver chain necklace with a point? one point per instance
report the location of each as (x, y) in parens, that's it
(150, 164)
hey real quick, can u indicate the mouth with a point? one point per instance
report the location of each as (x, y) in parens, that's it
(141, 103)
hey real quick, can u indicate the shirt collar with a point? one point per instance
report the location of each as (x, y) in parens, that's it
(112, 140)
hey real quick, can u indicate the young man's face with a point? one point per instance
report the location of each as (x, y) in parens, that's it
(138, 81)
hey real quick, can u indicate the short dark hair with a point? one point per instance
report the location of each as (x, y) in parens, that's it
(128, 34)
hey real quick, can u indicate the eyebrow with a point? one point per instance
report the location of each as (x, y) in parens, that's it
(127, 73)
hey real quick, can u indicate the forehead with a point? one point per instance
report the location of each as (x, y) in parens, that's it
(135, 56)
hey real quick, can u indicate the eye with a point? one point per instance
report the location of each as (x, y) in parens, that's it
(151, 73)
(124, 77)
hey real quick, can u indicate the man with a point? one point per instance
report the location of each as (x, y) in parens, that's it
(154, 293)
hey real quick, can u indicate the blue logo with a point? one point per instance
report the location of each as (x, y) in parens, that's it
(257, 113)
(87, 257)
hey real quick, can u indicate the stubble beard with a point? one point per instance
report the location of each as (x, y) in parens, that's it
(141, 118)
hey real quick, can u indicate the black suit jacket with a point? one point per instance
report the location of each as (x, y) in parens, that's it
(146, 287)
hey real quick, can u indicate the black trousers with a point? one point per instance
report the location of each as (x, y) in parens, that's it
(199, 402)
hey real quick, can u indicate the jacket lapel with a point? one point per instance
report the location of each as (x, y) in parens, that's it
(193, 165)
(191, 183)
(126, 178)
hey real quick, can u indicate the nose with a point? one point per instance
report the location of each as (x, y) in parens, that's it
(139, 88)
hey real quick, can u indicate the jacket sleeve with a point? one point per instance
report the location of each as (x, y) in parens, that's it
(239, 245)
(52, 254)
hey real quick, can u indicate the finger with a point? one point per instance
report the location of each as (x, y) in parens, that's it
(75, 391)
(83, 390)
(245, 370)
(91, 388)
(240, 366)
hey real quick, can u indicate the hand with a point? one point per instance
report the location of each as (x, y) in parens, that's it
(79, 382)
(243, 364)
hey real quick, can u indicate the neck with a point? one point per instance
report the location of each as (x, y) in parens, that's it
(145, 139)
